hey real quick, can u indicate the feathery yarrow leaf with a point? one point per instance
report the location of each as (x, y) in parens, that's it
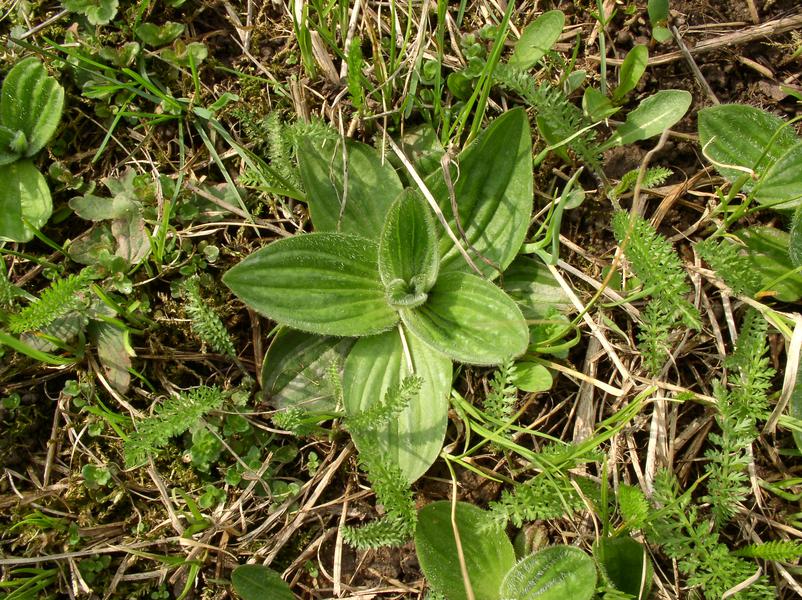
(175, 416)
(733, 267)
(62, 297)
(205, 322)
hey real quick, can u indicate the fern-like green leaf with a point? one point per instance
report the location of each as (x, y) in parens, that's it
(501, 398)
(733, 267)
(174, 417)
(205, 323)
(654, 261)
(653, 177)
(63, 296)
(779, 550)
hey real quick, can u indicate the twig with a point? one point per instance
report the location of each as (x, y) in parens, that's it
(694, 67)
(744, 36)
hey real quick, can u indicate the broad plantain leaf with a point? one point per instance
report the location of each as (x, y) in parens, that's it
(750, 138)
(768, 254)
(556, 573)
(257, 582)
(488, 553)
(469, 319)
(795, 238)
(114, 352)
(408, 258)
(625, 562)
(653, 116)
(325, 283)
(31, 103)
(361, 206)
(25, 202)
(295, 372)
(493, 190)
(12, 145)
(537, 39)
(378, 363)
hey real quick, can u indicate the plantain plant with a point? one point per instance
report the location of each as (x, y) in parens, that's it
(31, 103)
(378, 268)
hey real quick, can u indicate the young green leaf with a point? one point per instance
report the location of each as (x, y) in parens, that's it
(768, 256)
(556, 573)
(257, 582)
(296, 370)
(350, 196)
(532, 377)
(97, 12)
(469, 319)
(626, 564)
(325, 283)
(25, 204)
(379, 363)
(632, 69)
(653, 116)
(537, 39)
(487, 551)
(739, 139)
(408, 258)
(30, 105)
(158, 35)
(596, 105)
(493, 191)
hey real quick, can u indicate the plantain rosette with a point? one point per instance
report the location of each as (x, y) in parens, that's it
(380, 270)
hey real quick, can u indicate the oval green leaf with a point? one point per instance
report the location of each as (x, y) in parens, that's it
(469, 319)
(487, 551)
(493, 191)
(158, 35)
(257, 582)
(375, 364)
(31, 102)
(750, 138)
(537, 39)
(632, 69)
(408, 253)
(361, 206)
(325, 283)
(532, 377)
(767, 251)
(556, 573)
(295, 372)
(25, 204)
(653, 116)
(626, 564)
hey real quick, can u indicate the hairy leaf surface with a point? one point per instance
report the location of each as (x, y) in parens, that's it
(348, 196)
(493, 192)
(378, 363)
(295, 372)
(736, 135)
(325, 283)
(31, 103)
(469, 319)
(556, 573)
(408, 258)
